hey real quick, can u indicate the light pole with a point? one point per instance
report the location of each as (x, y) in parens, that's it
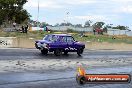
(67, 16)
(38, 16)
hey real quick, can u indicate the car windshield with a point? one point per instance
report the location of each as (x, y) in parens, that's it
(51, 38)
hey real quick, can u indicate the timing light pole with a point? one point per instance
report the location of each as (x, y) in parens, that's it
(38, 16)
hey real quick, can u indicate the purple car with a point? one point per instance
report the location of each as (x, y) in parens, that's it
(59, 43)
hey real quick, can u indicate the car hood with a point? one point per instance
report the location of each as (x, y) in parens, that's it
(79, 43)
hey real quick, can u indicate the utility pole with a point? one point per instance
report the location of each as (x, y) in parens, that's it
(67, 16)
(38, 16)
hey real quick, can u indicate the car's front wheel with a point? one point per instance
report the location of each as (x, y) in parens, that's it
(79, 51)
(57, 52)
(44, 51)
(65, 52)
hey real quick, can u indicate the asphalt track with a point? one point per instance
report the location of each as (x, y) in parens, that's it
(6, 54)
(58, 79)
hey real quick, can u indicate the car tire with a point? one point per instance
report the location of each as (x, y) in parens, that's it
(79, 51)
(65, 52)
(44, 52)
(57, 52)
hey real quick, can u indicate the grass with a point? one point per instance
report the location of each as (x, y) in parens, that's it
(92, 38)
(104, 38)
(34, 34)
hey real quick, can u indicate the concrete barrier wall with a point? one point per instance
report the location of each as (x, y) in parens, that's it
(6, 42)
(13, 42)
(24, 43)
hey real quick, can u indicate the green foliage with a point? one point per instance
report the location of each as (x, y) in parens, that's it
(92, 38)
(105, 29)
(71, 30)
(43, 24)
(98, 25)
(88, 23)
(78, 25)
(121, 27)
(12, 10)
(103, 38)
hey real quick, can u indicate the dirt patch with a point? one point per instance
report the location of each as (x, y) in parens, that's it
(59, 65)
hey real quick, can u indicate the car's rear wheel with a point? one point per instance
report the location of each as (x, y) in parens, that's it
(57, 52)
(79, 51)
(44, 51)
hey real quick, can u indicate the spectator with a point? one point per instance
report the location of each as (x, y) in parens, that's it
(23, 29)
(82, 34)
(94, 31)
(14, 25)
(26, 28)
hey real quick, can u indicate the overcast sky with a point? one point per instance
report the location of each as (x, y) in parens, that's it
(55, 11)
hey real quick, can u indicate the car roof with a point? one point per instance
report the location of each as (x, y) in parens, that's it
(61, 34)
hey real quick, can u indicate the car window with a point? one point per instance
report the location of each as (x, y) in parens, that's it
(51, 38)
(54, 38)
(70, 39)
(62, 39)
(46, 37)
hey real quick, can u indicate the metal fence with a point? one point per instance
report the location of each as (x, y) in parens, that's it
(119, 32)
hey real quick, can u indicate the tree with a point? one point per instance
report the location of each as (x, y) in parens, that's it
(88, 23)
(66, 24)
(69, 24)
(121, 27)
(43, 24)
(105, 29)
(12, 10)
(98, 25)
(56, 25)
(78, 25)
(63, 24)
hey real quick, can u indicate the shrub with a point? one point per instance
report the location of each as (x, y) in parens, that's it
(71, 31)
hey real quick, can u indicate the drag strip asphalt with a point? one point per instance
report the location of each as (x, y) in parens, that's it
(61, 79)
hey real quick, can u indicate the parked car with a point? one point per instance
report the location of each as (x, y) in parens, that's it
(59, 43)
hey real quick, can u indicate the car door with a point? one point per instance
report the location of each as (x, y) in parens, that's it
(63, 42)
(70, 43)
